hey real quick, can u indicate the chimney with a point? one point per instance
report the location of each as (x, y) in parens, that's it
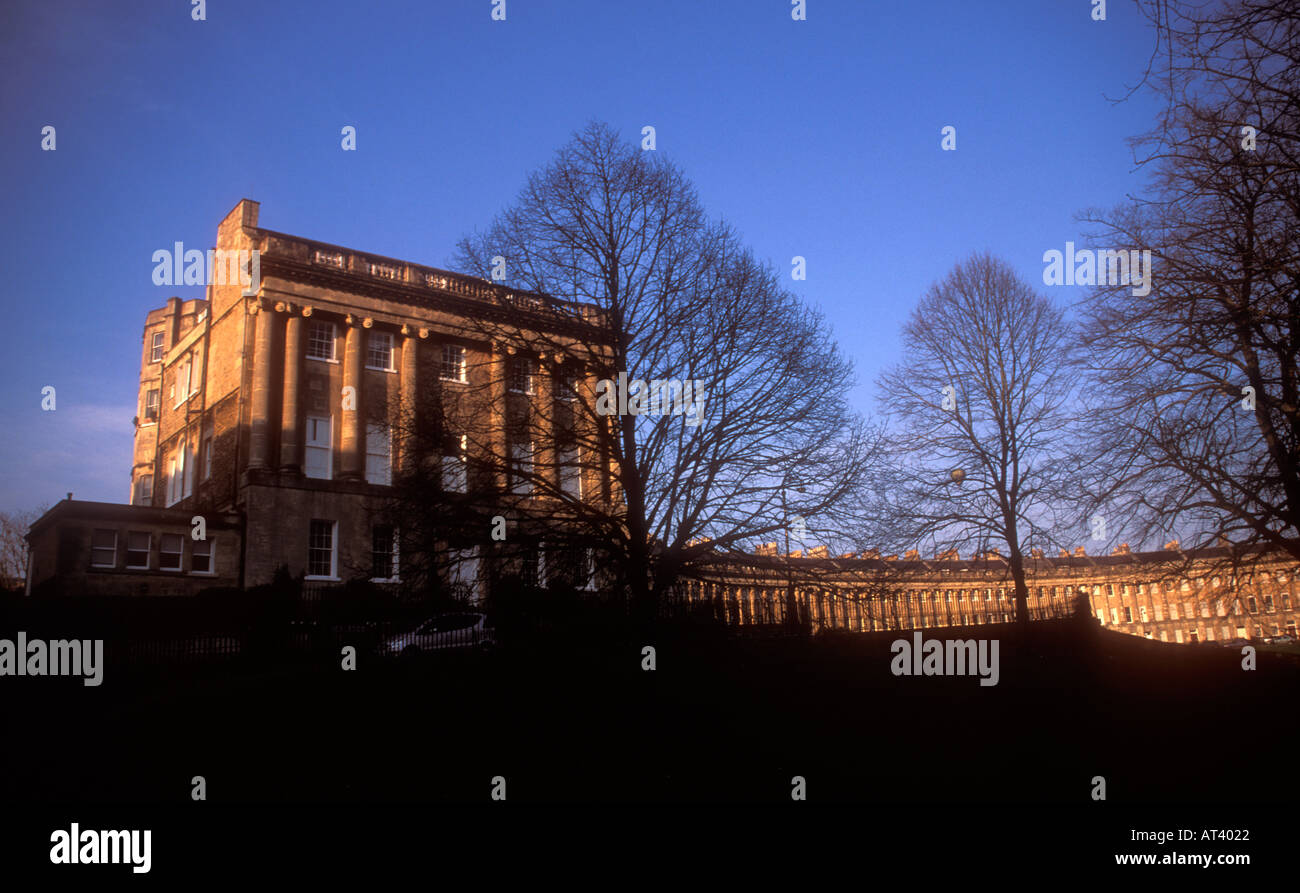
(1035, 553)
(912, 555)
(871, 553)
(797, 553)
(819, 552)
(950, 555)
(1121, 549)
(1172, 545)
(173, 321)
(1065, 553)
(849, 555)
(1080, 552)
(891, 557)
(766, 549)
(993, 553)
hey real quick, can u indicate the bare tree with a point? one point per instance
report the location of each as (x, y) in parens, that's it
(981, 402)
(663, 397)
(13, 547)
(1197, 414)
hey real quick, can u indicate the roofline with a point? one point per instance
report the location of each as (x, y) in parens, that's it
(117, 511)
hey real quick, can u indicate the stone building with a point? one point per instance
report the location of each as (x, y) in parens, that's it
(1167, 595)
(102, 548)
(294, 398)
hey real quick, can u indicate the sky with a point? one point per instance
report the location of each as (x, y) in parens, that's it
(818, 138)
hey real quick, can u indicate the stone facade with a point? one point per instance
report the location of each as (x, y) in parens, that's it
(99, 548)
(1168, 595)
(294, 406)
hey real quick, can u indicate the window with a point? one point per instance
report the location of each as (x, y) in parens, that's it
(169, 551)
(454, 465)
(570, 473)
(587, 577)
(384, 553)
(1114, 615)
(463, 574)
(521, 469)
(1268, 604)
(1173, 610)
(156, 347)
(379, 352)
(379, 454)
(187, 479)
(320, 341)
(207, 454)
(137, 550)
(179, 474)
(453, 363)
(183, 381)
(529, 567)
(565, 384)
(143, 490)
(320, 549)
(520, 378)
(151, 402)
(1128, 614)
(1254, 605)
(103, 548)
(320, 448)
(201, 557)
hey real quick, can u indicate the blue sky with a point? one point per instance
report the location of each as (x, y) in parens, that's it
(818, 138)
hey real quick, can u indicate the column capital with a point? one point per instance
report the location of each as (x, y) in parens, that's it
(307, 311)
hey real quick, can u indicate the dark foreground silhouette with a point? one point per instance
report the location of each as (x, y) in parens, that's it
(566, 713)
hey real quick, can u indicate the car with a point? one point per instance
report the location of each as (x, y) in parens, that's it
(467, 629)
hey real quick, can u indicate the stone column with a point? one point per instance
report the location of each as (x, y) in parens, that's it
(498, 368)
(290, 428)
(352, 442)
(585, 422)
(260, 409)
(543, 428)
(410, 373)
